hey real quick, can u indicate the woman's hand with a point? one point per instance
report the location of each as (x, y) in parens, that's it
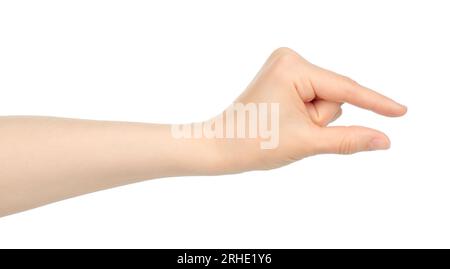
(309, 98)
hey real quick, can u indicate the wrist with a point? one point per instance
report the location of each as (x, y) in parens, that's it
(193, 155)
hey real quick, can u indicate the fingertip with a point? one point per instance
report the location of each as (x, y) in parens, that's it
(395, 110)
(403, 110)
(400, 110)
(372, 139)
(350, 139)
(379, 143)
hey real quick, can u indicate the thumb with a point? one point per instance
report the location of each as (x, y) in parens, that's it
(351, 139)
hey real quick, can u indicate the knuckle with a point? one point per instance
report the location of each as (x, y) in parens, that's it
(283, 51)
(347, 145)
(285, 55)
(348, 80)
(285, 62)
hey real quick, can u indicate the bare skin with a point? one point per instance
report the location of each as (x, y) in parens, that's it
(44, 159)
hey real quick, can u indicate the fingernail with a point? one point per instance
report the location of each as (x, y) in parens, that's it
(404, 109)
(379, 143)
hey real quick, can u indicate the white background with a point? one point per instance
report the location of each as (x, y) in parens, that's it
(182, 61)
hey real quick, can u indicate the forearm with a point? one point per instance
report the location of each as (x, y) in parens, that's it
(48, 159)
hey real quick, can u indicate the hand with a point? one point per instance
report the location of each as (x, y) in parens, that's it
(309, 99)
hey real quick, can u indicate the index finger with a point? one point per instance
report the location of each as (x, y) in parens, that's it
(334, 87)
